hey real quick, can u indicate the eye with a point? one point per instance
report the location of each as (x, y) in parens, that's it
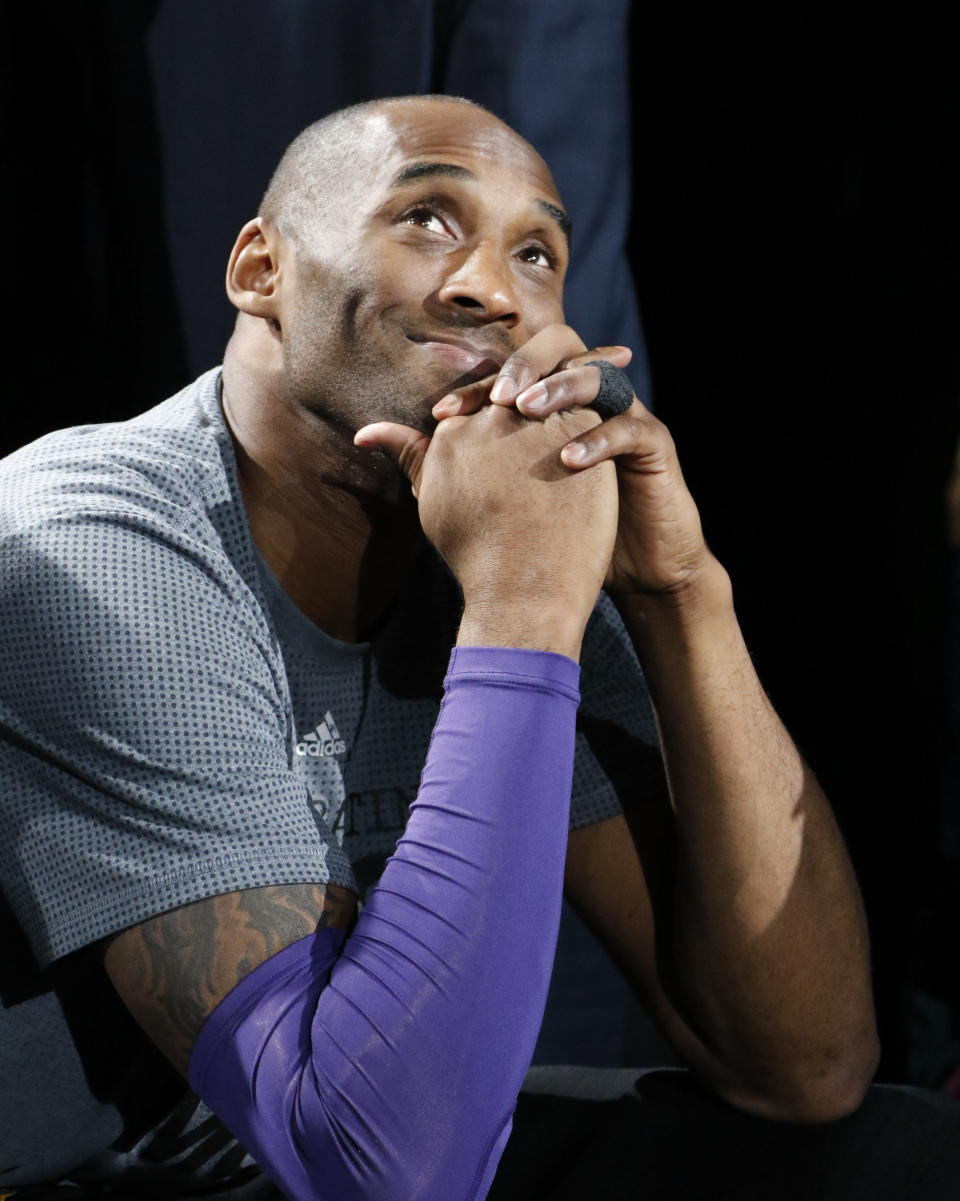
(538, 256)
(424, 218)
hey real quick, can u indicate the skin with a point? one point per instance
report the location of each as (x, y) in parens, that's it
(336, 322)
(732, 908)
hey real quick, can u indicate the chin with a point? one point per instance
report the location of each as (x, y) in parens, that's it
(414, 410)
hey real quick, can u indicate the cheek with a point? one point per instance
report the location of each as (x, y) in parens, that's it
(543, 310)
(394, 285)
(409, 278)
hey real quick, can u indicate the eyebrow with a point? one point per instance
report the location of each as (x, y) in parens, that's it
(558, 215)
(454, 171)
(419, 170)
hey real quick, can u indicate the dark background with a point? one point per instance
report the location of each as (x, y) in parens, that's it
(794, 249)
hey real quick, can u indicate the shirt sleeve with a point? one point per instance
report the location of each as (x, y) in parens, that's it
(144, 731)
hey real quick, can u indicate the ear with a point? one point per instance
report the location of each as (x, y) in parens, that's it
(254, 270)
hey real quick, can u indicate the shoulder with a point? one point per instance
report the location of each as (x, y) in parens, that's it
(125, 582)
(127, 512)
(164, 464)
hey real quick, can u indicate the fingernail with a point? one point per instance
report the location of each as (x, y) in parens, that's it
(503, 389)
(574, 452)
(534, 400)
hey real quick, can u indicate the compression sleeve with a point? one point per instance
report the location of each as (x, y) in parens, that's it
(387, 1066)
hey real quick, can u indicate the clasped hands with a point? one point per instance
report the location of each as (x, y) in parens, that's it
(621, 516)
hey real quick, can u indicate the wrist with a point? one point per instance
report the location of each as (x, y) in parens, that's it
(705, 598)
(529, 627)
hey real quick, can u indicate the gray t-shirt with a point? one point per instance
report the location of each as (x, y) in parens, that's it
(172, 727)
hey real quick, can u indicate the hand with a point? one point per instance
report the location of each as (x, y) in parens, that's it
(660, 547)
(528, 539)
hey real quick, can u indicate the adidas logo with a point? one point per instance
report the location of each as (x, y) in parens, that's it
(323, 741)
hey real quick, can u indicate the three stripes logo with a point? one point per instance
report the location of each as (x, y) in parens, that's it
(324, 741)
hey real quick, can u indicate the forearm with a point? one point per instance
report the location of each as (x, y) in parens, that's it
(768, 952)
(398, 1077)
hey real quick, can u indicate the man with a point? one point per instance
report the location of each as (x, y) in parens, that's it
(225, 639)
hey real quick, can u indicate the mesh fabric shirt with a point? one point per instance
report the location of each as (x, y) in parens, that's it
(172, 728)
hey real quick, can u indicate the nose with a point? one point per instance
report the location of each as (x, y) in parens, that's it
(480, 284)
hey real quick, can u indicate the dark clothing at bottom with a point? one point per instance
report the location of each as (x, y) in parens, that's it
(668, 1139)
(671, 1140)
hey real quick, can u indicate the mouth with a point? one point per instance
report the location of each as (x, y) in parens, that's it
(468, 357)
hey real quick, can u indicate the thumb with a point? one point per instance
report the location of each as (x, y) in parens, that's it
(407, 447)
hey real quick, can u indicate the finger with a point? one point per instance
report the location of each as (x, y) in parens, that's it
(635, 433)
(620, 356)
(463, 401)
(540, 356)
(407, 447)
(575, 386)
(583, 385)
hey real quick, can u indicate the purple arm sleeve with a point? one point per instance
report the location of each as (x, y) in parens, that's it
(388, 1065)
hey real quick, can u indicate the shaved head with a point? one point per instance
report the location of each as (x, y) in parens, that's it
(402, 246)
(310, 175)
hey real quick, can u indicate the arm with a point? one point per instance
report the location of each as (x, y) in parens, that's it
(769, 945)
(382, 1067)
(736, 916)
(173, 970)
(743, 927)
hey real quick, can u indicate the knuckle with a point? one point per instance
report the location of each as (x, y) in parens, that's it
(646, 431)
(581, 360)
(581, 421)
(639, 418)
(556, 330)
(573, 343)
(660, 434)
(494, 417)
(517, 366)
(636, 425)
(585, 356)
(560, 388)
(445, 433)
(638, 434)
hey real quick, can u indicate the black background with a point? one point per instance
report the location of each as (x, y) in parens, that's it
(795, 253)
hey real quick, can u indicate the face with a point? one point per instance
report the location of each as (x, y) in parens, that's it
(443, 252)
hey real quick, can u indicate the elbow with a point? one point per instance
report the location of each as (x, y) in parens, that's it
(826, 1099)
(837, 1086)
(826, 1091)
(839, 1093)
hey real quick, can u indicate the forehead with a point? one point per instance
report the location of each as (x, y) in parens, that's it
(461, 134)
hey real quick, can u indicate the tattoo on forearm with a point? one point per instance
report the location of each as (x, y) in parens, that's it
(174, 969)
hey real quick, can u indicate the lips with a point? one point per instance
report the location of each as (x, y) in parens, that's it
(458, 352)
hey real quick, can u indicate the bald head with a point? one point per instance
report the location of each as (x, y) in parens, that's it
(314, 171)
(401, 245)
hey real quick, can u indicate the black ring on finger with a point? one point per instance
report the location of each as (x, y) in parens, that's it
(616, 392)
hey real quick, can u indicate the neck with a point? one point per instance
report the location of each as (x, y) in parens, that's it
(337, 526)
